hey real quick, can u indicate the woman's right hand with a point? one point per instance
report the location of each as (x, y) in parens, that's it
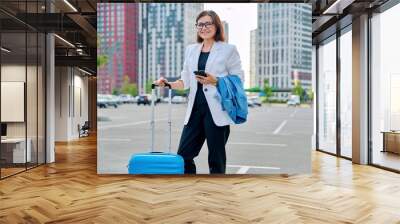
(161, 82)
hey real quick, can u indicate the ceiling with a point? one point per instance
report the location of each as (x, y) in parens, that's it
(75, 21)
(330, 15)
(72, 20)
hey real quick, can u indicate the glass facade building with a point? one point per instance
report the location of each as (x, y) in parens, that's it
(283, 45)
(165, 29)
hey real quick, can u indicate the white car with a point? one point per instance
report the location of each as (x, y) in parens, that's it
(250, 103)
(107, 100)
(126, 98)
(117, 99)
(256, 101)
(101, 102)
(135, 99)
(164, 100)
(294, 100)
(178, 99)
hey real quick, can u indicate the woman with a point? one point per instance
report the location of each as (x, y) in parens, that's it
(205, 119)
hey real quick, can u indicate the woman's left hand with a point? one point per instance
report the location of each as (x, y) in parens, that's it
(210, 79)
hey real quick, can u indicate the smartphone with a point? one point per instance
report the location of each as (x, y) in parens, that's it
(200, 73)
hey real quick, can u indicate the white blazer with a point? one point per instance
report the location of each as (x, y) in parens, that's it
(223, 60)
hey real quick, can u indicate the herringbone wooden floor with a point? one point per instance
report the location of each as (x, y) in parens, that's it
(70, 191)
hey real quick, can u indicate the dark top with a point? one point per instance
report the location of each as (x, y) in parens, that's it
(200, 98)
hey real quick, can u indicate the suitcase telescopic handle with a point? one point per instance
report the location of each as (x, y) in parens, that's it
(152, 122)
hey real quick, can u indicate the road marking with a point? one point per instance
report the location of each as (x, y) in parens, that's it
(127, 124)
(257, 144)
(279, 128)
(245, 169)
(269, 133)
(115, 139)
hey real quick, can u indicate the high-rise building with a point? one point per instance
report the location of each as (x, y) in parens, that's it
(252, 73)
(226, 30)
(165, 29)
(117, 33)
(283, 48)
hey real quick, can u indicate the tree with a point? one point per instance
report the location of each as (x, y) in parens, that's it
(310, 94)
(253, 90)
(148, 86)
(267, 90)
(298, 90)
(115, 91)
(101, 59)
(128, 87)
(181, 92)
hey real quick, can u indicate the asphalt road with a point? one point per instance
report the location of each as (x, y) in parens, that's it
(275, 139)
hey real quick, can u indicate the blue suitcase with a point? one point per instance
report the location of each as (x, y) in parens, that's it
(157, 162)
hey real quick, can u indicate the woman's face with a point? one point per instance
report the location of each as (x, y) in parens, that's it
(206, 28)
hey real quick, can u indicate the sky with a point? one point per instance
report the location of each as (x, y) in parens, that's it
(242, 18)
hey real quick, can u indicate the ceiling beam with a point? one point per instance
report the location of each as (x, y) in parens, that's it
(81, 61)
(86, 26)
(338, 6)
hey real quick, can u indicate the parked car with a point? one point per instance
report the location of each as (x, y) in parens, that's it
(256, 101)
(131, 99)
(104, 101)
(250, 103)
(101, 102)
(164, 100)
(116, 99)
(143, 99)
(178, 99)
(111, 101)
(294, 100)
(135, 99)
(126, 98)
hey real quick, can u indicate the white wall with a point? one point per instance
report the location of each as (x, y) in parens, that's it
(61, 103)
(80, 100)
(71, 94)
(11, 73)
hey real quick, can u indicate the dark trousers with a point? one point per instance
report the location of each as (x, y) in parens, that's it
(201, 127)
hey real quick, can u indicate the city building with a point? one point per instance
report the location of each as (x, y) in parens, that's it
(283, 48)
(252, 73)
(165, 29)
(226, 30)
(117, 26)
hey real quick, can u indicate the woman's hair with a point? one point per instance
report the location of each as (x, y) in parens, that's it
(219, 34)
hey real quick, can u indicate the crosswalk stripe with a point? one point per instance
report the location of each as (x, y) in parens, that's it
(279, 128)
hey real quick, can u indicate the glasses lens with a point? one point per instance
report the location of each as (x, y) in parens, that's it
(205, 25)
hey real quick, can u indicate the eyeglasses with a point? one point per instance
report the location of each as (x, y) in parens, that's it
(205, 25)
